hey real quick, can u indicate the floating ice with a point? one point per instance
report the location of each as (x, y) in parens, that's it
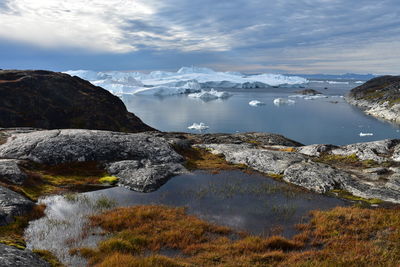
(359, 82)
(283, 101)
(210, 95)
(256, 103)
(310, 97)
(366, 134)
(163, 81)
(336, 82)
(198, 126)
(163, 90)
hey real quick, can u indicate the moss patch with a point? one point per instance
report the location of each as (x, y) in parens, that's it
(44, 179)
(344, 236)
(111, 180)
(49, 257)
(347, 195)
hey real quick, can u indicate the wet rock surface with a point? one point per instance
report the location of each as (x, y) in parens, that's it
(11, 256)
(12, 204)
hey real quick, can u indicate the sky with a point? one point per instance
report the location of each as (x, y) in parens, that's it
(251, 36)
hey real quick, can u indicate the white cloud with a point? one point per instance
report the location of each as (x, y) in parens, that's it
(97, 25)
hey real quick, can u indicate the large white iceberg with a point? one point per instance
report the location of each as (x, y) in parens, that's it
(167, 83)
(198, 126)
(210, 95)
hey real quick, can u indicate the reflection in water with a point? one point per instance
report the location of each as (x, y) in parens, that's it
(249, 202)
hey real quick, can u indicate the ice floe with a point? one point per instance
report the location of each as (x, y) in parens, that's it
(198, 126)
(210, 95)
(366, 134)
(256, 103)
(283, 101)
(120, 82)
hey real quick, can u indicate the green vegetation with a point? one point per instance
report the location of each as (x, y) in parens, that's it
(344, 236)
(13, 234)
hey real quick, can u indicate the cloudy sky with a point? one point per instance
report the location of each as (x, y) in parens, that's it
(281, 36)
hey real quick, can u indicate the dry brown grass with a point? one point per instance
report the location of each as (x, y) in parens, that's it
(344, 236)
(201, 159)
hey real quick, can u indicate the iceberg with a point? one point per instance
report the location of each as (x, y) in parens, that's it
(256, 103)
(283, 101)
(210, 95)
(366, 134)
(162, 82)
(198, 126)
(187, 88)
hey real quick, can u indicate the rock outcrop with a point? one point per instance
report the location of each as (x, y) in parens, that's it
(303, 166)
(379, 97)
(50, 100)
(11, 256)
(12, 204)
(142, 161)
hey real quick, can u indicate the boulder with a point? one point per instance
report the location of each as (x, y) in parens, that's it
(11, 172)
(11, 256)
(12, 204)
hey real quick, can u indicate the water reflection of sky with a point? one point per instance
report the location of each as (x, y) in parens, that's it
(326, 120)
(247, 202)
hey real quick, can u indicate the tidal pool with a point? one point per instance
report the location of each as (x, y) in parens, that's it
(248, 202)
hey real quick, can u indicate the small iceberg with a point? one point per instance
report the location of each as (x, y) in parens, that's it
(210, 95)
(283, 101)
(198, 126)
(256, 103)
(366, 134)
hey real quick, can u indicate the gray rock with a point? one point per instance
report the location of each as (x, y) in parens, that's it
(263, 160)
(315, 150)
(12, 204)
(266, 139)
(316, 177)
(11, 256)
(61, 146)
(396, 153)
(379, 151)
(142, 161)
(143, 176)
(10, 171)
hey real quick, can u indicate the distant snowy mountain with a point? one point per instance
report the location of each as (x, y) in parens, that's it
(185, 80)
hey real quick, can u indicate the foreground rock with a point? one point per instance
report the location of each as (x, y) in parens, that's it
(379, 97)
(11, 172)
(142, 161)
(11, 256)
(305, 167)
(12, 204)
(51, 100)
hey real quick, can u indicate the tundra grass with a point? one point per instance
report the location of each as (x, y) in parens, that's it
(344, 236)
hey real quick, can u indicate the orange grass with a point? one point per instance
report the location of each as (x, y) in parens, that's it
(344, 236)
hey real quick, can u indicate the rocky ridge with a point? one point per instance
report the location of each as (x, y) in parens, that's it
(379, 97)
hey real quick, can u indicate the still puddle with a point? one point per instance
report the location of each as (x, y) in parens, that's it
(249, 202)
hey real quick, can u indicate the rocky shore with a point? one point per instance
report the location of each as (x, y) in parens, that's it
(379, 97)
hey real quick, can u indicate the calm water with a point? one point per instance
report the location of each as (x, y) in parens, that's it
(326, 120)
